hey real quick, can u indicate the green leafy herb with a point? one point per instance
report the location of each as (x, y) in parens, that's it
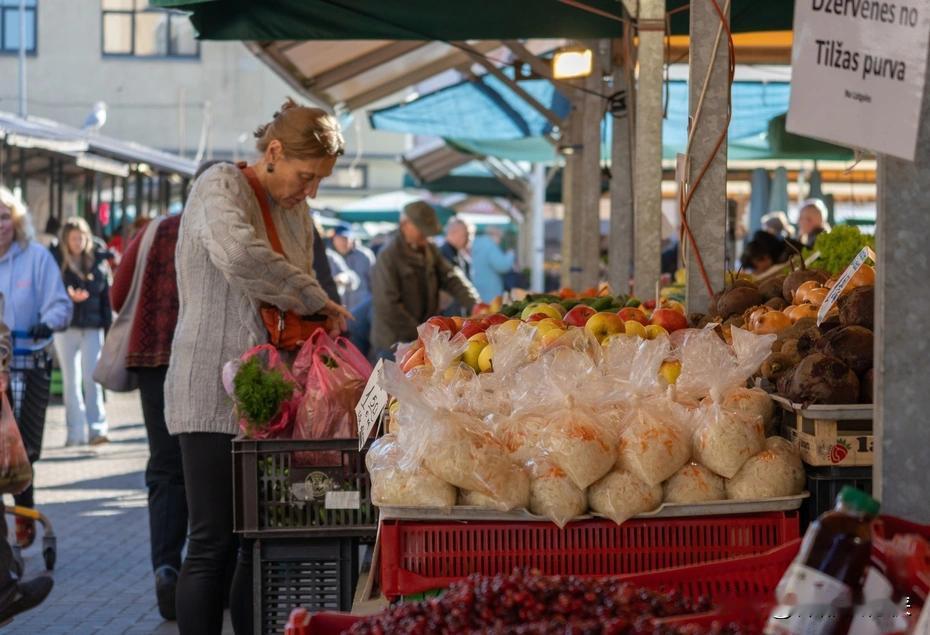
(839, 246)
(259, 393)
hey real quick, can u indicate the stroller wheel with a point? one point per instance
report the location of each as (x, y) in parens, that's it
(49, 551)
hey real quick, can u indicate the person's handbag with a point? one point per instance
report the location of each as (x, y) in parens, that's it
(111, 371)
(286, 329)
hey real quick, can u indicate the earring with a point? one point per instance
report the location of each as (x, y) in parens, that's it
(269, 168)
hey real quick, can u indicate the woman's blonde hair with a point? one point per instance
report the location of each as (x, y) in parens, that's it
(83, 262)
(305, 133)
(23, 231)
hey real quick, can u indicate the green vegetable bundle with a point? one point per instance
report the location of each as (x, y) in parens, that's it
(838, 247)
(264, 398)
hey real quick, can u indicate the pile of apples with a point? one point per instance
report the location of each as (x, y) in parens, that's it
(551, 321)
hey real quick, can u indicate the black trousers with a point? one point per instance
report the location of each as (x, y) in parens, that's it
(7, 579)
(211, 545)
(164, 473)
(28, 393)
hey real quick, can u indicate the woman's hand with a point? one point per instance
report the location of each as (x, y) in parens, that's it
(78, 295)
(338, 316)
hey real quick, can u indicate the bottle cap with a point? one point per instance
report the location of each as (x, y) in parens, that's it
(859, 500)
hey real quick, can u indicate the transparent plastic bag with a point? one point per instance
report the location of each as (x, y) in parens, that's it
(620, 495)
(554, 495)
(655, 441)
(694, 484)
(15, 469)
(774, 472)
(393, 485)
(458, 448)
(753, 402)
(725, 438)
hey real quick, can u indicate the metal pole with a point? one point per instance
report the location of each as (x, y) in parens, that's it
(536, 227)
(620, 245)
(23, 109)
(902, 385)
(708, 88)
(647, 170)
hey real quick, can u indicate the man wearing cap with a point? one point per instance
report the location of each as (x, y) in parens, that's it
(359, 260)
(407, 278)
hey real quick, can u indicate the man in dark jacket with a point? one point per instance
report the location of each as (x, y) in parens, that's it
(407, 278)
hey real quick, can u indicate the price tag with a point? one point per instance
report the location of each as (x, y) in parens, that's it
(371, 405)
(342, 500)
(865, 254)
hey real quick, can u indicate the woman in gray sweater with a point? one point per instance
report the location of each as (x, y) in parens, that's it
(226, 270)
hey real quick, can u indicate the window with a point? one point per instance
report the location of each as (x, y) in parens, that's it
(345, 177)
(9, 26)
(131, 27)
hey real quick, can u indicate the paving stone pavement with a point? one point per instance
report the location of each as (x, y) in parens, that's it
(96, 501)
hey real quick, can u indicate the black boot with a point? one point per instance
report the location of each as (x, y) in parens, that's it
(166, 584)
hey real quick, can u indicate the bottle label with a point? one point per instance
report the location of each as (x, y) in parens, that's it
(810, 603)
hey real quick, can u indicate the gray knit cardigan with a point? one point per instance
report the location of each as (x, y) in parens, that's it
(226, 269)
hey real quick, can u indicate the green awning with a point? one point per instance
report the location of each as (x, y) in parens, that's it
(447, 21)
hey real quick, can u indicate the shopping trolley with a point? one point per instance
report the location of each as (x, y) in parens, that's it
(31, 357)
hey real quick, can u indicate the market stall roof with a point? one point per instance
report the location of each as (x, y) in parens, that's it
(91, 151)
(386, 208)
(472, 123)
(268, 20)
(351, 74)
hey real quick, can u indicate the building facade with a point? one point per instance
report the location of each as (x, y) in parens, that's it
(138, 74)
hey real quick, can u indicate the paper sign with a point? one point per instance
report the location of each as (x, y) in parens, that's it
(865, 254)
(371, 405)
(342, 500)
(858, 72)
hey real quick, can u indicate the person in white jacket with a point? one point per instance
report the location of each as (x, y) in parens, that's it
(37, 305)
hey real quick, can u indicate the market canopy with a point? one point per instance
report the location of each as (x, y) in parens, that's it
(472, 121)
(248, 20)
(386, 208)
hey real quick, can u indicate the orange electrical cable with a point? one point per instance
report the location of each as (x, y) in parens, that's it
(685, 201)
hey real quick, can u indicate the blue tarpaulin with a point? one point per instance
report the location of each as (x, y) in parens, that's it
(486, 118)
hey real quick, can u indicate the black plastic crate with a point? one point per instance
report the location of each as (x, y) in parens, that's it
(286, 487)
(824, 483)
(318, 574)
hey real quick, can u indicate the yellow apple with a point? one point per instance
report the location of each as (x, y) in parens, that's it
(654, 330)
(548, 324)
(670, 370)
(540, 307)
(550, 337)
(472, 354)
(603, 324)
(634, 328)
(510, 326)
(486, 359)
(558, 307)
(479, 337)
(674, 305)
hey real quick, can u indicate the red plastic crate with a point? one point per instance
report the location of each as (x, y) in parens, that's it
(739, 587)
(420, 556)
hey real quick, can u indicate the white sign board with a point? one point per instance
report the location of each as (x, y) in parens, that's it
(858, 72)
(369, 407)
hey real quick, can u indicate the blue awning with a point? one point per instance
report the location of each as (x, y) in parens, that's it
(473, 122)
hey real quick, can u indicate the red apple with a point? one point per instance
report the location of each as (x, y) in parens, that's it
(442, 323)
(669, 319)
(496, 318)
(578, 315)
(536, 317)
(480, 309)
(649, 304)
(471, 327)
(633, 314)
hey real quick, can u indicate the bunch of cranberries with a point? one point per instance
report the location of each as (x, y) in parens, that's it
(527, 603)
